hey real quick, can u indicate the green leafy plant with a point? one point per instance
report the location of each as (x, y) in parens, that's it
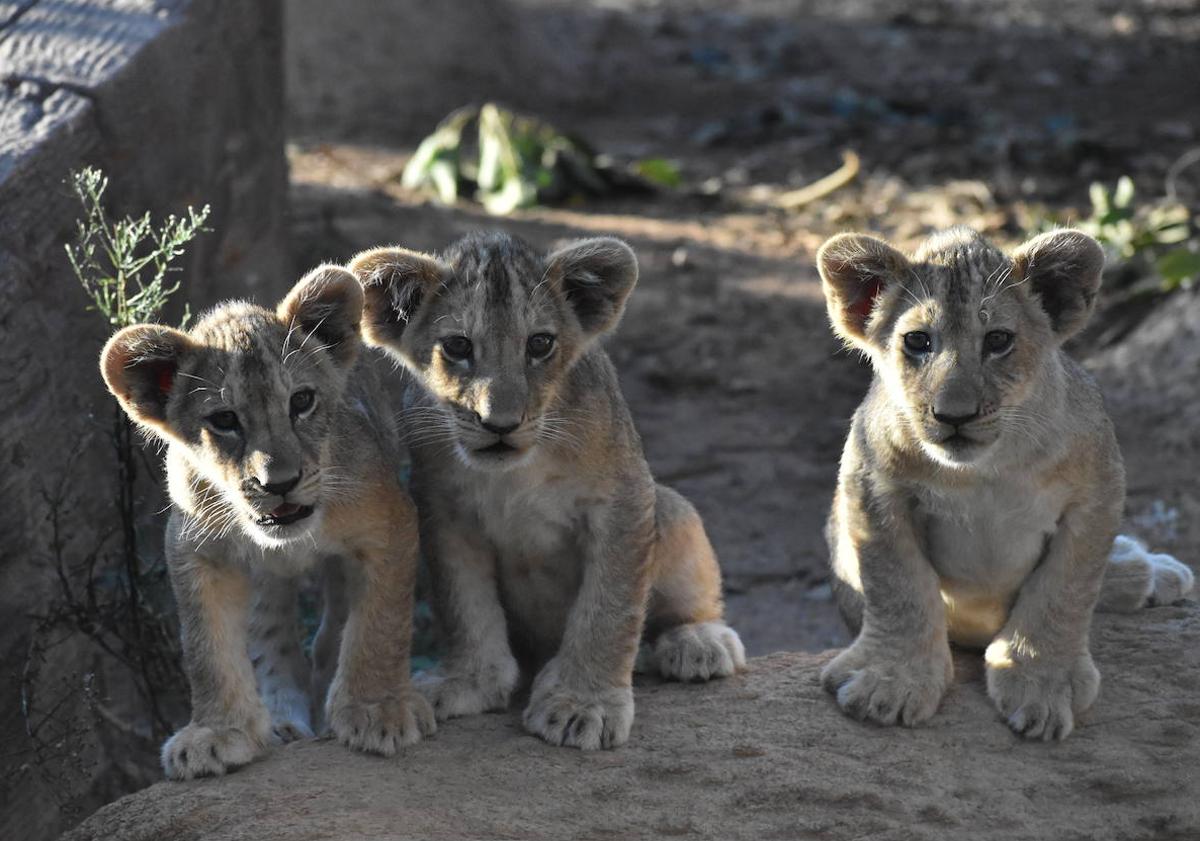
(123, 263)
(1149, 239)
(514, 161)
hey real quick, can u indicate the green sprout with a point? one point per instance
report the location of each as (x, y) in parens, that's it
(122, 264)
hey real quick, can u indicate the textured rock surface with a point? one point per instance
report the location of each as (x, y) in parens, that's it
(1155, 372)
(764, 755)
(180, 103)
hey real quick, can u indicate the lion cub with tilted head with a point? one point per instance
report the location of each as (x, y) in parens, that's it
(547, 537)
(281, 453)
(981, 486)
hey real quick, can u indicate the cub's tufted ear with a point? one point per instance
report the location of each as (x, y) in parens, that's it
(855, 269)
(596, 275)
(328, 304)
(1063, 268)
(139, 365)
(395, 281)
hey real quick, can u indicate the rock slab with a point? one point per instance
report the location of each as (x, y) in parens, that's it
(762, 755)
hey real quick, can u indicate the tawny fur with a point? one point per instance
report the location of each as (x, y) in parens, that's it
(235, 574)
(549, 542)
(981, 486)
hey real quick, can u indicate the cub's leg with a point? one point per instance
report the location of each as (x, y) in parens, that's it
(280, 667)
(479, 672)
(371, 705)
(1040, 673)
(1136, 577)
(583, 697)
(687, 638)
(229, 726)
(328, 640)
(899, 666)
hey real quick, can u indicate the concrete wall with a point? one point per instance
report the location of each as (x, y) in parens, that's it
(180, 103)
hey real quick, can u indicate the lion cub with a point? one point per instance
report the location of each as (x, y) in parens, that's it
(280, 453)
(546, 535)
(981, 486)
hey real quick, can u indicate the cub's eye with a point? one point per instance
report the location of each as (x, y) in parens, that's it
(997, 341)
(225, 421)
(457, 348)
(540, 345)
(917, 342)
(302, 401)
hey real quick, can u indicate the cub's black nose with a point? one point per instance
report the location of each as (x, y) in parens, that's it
(955, 420)
(281, 488)
(497, 429)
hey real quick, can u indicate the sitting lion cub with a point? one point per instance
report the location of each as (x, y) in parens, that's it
(981, 486)
(280, 453)
(543, 527)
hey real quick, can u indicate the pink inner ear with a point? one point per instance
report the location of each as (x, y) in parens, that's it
(867, 293)
(166, 376)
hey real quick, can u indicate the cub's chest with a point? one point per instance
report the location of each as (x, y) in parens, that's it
(990, 536)
(534, 513)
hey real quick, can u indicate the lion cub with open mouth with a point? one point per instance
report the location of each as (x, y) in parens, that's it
(545, 533)
(281, 453)
(981, 486)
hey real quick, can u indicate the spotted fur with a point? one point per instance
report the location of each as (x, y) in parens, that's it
(549, 540)
(280, 455)
(981, 486)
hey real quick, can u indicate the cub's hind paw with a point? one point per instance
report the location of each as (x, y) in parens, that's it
(290, 730)
(1138, 578)
(201, 751)
(290, 719)
(1173, 580)
(382, 727)
(699, 651)
(576, 716)
(455, 695)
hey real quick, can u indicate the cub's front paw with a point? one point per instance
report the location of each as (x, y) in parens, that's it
(457, 694)
(202, 751)
(1041, 700)
(382, 727)
(699, 651)
(888, 688)
(565, 713)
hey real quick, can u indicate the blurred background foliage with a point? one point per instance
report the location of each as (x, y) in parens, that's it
(513, 161)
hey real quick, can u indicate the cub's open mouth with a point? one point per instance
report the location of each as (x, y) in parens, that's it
(285, 515)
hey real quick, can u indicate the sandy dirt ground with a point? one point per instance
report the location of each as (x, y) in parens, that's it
(962, 112)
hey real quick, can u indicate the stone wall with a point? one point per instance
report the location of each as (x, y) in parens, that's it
(180, 103)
